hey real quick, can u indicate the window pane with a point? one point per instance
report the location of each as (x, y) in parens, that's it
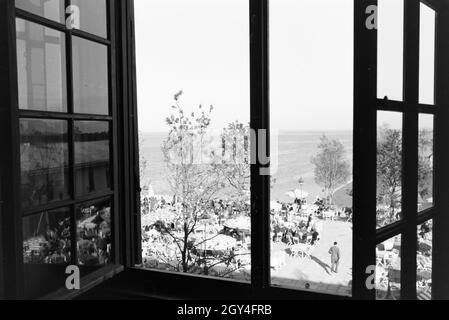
(390, 44)
(41, 68)
(92, 157)
(424, 260)
(47, 250)
(93, 234)
(50, 9)
(311, 202)
(46, 238)
(389, 167)
(194, 159)
(92, 16)
(388, 269)
(90, 77)
(44, 161)
(427, 56)
(425, 162)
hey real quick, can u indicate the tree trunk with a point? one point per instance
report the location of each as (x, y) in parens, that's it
(185, 265)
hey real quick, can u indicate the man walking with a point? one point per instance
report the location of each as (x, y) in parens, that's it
(335, 257)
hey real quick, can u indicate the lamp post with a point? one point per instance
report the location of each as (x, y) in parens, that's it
(301, 182)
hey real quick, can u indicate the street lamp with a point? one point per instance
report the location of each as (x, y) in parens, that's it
(301, 182)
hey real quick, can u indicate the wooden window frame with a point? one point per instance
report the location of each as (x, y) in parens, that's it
(126, 222)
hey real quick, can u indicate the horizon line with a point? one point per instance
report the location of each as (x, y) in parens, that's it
(280, 131)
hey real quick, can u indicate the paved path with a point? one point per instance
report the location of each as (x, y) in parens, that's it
(298, 272)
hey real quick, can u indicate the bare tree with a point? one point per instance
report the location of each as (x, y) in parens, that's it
(235, 168)
(194, 178)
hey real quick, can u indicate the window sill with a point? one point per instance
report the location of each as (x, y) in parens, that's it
(86, 283)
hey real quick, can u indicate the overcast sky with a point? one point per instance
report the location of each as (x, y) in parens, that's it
(202, 48)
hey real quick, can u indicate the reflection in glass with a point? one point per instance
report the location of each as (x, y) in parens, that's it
(41, 67)
(46, 237)
(92, 157)
(424, 261)
(93, 234)
(312, 143)
(425, 162)
(389, 168)
(388, 269)
(44, 161)
(195, 171)
(390, 49)
(92, 15)
(90, 77)
(50, 9)
(427, 55)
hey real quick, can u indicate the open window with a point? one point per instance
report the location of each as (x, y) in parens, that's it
(285, 149)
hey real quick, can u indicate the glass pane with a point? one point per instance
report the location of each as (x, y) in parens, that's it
(311, 200)
(93, 234)
(424, 260)
(44, 161)
(46, 238)
(47, 250)
(195, 170)
(389, 167)
(92, 157)
(390, 49)
(427, 56)
(41, 68)
(92, 16)
(90, 77)
(425, 162)
(388, 269)
(50, 9)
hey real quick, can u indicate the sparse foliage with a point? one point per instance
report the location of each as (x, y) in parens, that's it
(332, 169)
(235, 168)
(389, 171)
(195, 176)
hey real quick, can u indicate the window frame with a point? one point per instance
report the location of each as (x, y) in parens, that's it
(260, 285)
(366, 105)
(410, 108)
(125, 161)
(13, 266)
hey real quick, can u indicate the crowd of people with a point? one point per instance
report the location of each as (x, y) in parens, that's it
(162, 223)
(49, 239)
(49, 243)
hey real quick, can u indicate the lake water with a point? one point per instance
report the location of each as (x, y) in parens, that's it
(295, 150)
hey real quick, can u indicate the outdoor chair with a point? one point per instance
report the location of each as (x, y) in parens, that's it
(278, 238)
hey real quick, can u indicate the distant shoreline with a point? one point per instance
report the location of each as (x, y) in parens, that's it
(280, 132)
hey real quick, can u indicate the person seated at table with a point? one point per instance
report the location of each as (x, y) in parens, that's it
(304, 236)
(286, 237)
(315, 236)
(309, 221)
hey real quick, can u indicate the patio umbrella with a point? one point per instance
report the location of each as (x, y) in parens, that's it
(275, 206)
(221, 243)
(301, 194)
(241, 223)
(291, 194)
